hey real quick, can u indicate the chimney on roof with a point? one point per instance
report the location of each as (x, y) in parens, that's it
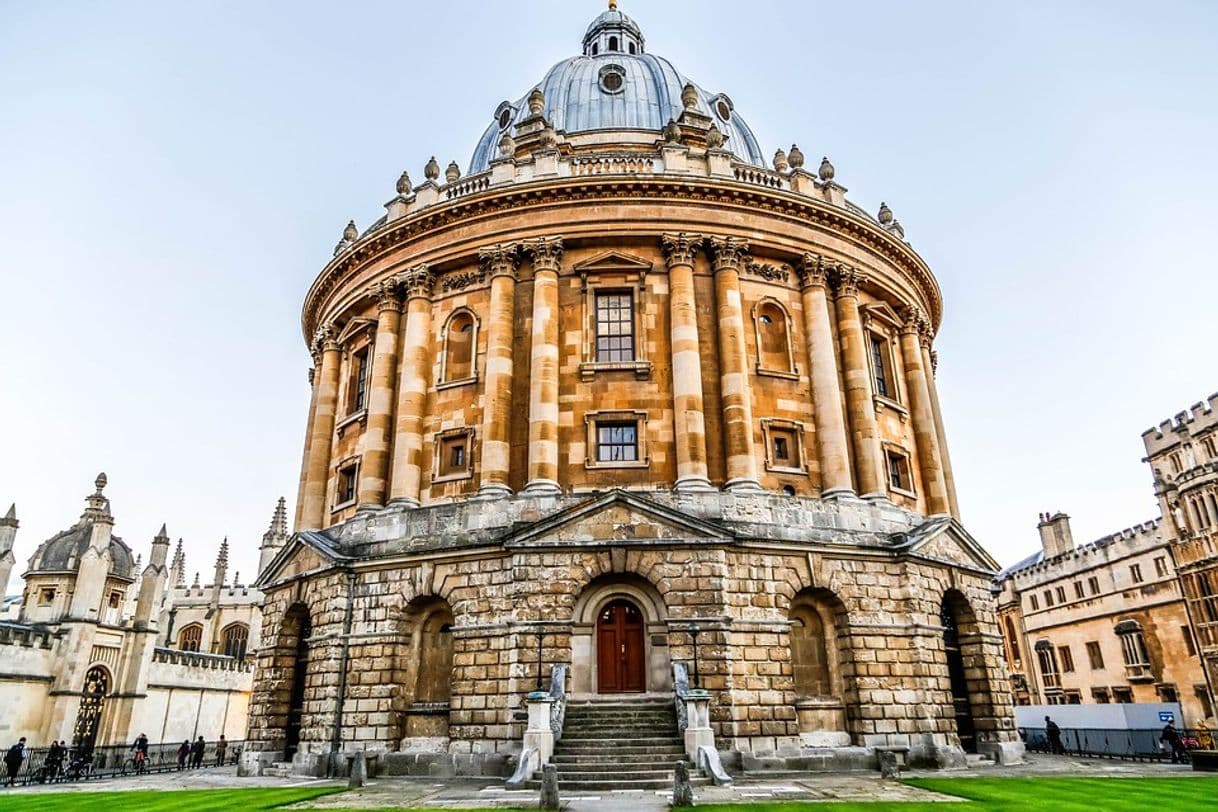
(1055, 536)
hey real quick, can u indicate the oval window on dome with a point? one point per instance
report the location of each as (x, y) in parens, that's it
(613, 78)
(503, 115)
(723, 107)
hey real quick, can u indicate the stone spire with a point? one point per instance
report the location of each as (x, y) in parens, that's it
(8, 532)
(177, 570)
(93, 566)
(275, 537)
(152, 582)
(217, 583)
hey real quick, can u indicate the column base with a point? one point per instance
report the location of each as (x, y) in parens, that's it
(876, 498)
(693, 484)
(742, 485)
(839, 495)
(493, 491)
(542, 487)
(403, 501)
(368, 507)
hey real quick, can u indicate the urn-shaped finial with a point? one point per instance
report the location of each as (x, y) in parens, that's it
(404, 186)
(885, 215)
(432, 170)
(350, 233)
(453, 173)
(780, 161)
(689, 96)
(507, 146)
(826, 171)
(714, 137)
(796, 157)
(672, 131)
(537, 102)
(100, 482)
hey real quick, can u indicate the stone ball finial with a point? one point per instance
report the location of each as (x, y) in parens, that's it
(826, 171)
(689, 96)
(885, 216)
(350, 233)
(432, 170)
(780, 161)
(100, 482)
(714, 137)
(507, 145)
(453, 173)
(404, 186)
(672, 131)
(537, 102)
(796, 157)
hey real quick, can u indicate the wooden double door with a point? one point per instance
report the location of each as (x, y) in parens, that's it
(621, 661)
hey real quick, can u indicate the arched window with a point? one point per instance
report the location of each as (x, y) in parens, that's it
(613, 43)
(190, 637)
(771, 324)
(460, 335)
(235, 638)
(88, 715)
(631, 47)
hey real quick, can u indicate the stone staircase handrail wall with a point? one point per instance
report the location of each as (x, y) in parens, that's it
(558, 694)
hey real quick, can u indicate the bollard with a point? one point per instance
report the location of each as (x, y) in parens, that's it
(889, 767)
(682, 791)
(549, 787)
(359, 771)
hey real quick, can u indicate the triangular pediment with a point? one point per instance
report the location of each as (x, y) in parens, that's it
(615, 518)
(306, 552)
(881, 311)
(612, 261)
(944, 539)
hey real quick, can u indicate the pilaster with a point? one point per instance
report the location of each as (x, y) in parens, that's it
(313, 515)
(860, 407)
(374, 468)
(546, 254)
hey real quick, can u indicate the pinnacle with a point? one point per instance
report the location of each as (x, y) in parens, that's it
(163, 533)
(12, 511)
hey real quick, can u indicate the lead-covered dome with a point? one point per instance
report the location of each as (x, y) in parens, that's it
(616, 85)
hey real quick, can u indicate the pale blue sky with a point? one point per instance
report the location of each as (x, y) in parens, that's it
(175, 174)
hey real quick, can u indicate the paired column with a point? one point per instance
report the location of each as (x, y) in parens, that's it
(859, 405)
(832, 445)
(325, 400)
(407, 477)
(922, 410)
(949, 482)
(501, 263)
(729, 254)
(308, 443)
(543, 369)
(689, 424)
(374, 467)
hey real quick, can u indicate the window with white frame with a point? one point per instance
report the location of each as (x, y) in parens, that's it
(616, 439)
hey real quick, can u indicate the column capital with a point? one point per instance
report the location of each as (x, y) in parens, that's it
(312, 376)
(501, 259)
(729, 253)
(914, 321)
(680, 248)
(813, 271)
(847, 281)
(325, 338)
(417, 281)
(546, 253)
(386, 294)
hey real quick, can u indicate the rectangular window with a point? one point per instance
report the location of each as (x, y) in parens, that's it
(1135, 572)
(1060, 592)
(1066, 659)
(358, 399)
(617, 442)
(1073, 698)
(899, 478)
(1048, 665)
(1078, 590)
(1035, 603)
(453, 454)
(1100, 695)
(1048, 597)
(46, 597)
(1161, 566)
(881, 367)
(1189, 643)
(1167, 693)
(1123, 696)
(782, 451)
(1095, 655)
(1093, 584)
(348, 477)
(614, 326)
(1203, 699)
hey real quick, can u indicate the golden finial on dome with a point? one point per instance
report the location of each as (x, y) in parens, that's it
(613, 5)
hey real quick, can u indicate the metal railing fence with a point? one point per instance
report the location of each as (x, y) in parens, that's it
(108, 761)
(1138, 744)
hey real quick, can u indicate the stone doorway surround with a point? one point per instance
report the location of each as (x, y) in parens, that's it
(598, 595)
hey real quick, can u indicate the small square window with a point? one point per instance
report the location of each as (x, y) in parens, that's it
(348, 478)
(783, 440)
(453, 454)
(1123, 696)
(616, 440)
(1100, 695)
(899, 478)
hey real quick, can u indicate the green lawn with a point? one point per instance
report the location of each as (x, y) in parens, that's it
(191, 800)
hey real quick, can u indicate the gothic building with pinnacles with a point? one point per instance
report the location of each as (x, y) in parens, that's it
(99, 650)
(631, 415)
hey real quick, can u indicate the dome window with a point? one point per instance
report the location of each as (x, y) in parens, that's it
(613, 78)
(631, 47)
(613, 43)
(503, 115)
(723, 107)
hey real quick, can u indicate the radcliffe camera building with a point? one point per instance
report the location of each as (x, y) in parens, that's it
(624, 379)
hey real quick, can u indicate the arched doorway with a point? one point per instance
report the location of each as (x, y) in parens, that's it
(966, 728)
(620, 652)
(92, 702)
(300, 670)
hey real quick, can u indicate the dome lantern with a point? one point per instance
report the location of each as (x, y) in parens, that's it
(613, 33)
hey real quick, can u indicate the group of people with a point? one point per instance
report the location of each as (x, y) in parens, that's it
(190, 756)
(1169, 740)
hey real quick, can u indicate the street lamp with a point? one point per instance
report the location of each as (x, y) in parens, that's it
(693, 634)
(541, 634)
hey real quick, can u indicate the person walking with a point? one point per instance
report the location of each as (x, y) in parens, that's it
(1170, 738)
(183, 753)
(13, 759)
(221, 747)
(1055, 737)
(196, 753)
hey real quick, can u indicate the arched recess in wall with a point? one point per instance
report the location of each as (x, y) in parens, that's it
(460, 332)
(822, 668)
(424, 667)
(92, 704)
(617, 593)
(970, 680)
(772, 330)
(290, 676)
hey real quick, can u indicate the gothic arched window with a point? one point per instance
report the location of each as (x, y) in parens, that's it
(190, 637)
(235, 639)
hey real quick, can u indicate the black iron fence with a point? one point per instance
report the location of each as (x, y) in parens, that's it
(1140, 744)
(108, 761)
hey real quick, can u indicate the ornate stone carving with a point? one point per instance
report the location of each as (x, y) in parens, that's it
(507, 146)
(453, 173)
(432, 170)
(461, 281)
(826, 171)
(324, 339)
(680, 249)
(913, 320)
(770, 273)
(404, 186)
(548, 138)
(386, 294)
(546, 253)
(795, 157)
(536, 102)
(418, 281)
(813, 270)
(500, 260)
(847, 280)
(730, 253)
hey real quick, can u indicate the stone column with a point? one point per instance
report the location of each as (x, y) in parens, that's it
(501, 262)
(729, 255)
(832, 445)
(313, 516)
(374, 467)
(407, 477)
(922, 411)
(543, 370)
(689, 425)
(945, 460)
(308, 442)
(859, 404)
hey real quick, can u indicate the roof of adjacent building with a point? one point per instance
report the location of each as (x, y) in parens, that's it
(63, 550)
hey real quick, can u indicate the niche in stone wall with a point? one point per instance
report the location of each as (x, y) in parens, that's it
(423, 675)
(820, 653)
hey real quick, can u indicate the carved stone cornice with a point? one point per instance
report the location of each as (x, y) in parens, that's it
(418, 281)
(546, 253)
(813, 271)
(681, 248)
(846, 281)
(729, 253)
(386, 292)
(500, 259)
